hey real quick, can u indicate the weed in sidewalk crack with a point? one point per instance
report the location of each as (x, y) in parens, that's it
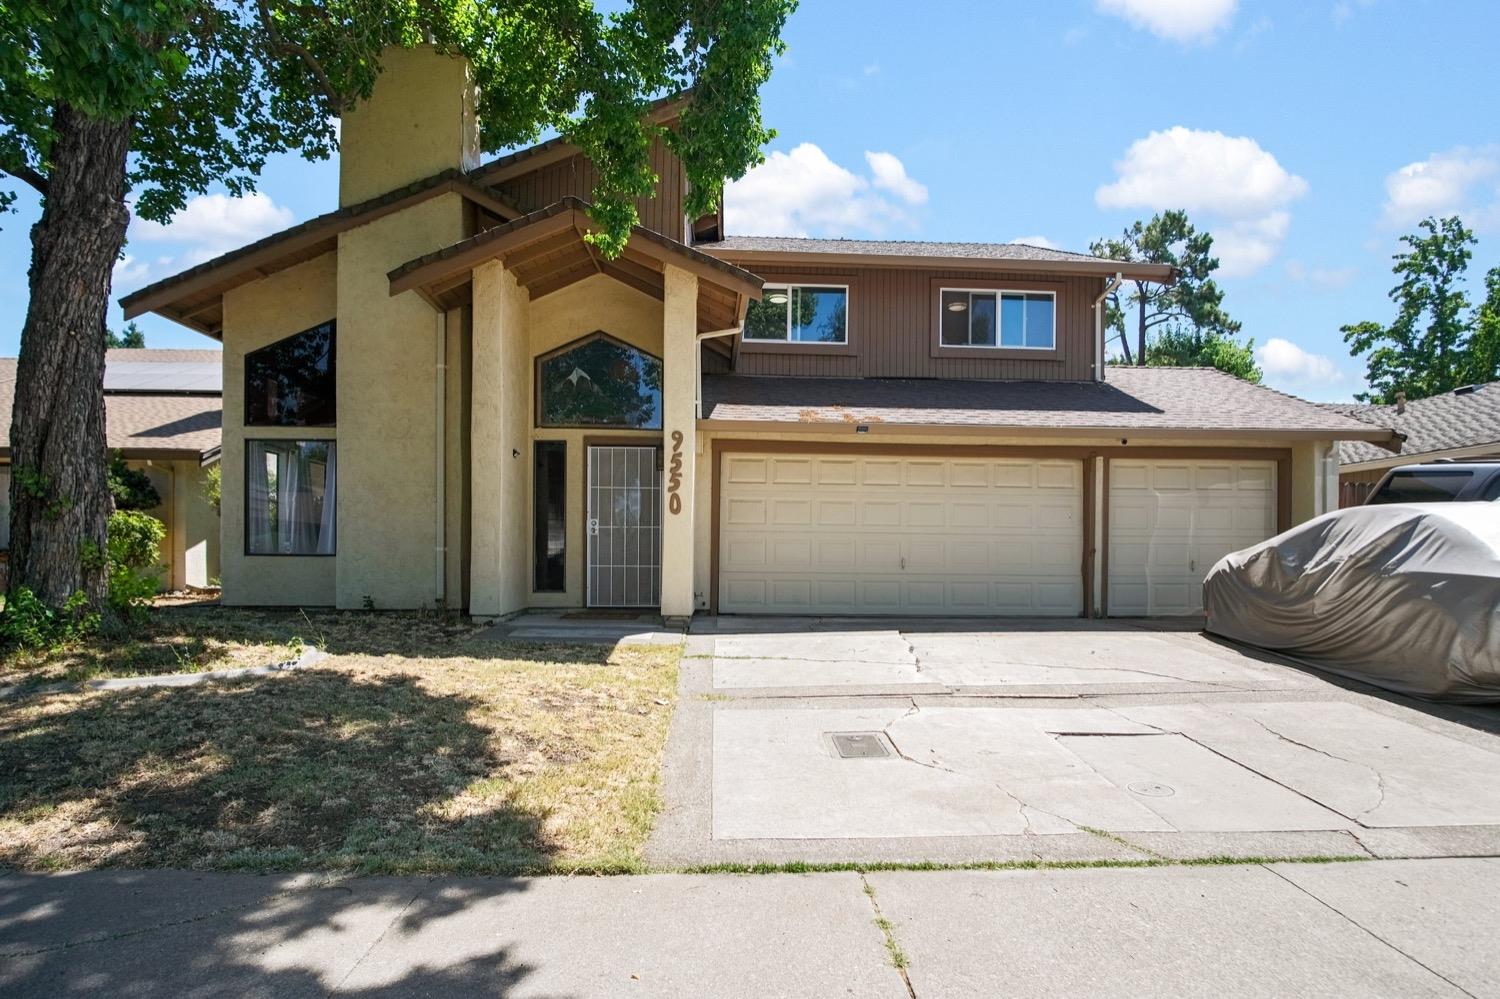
(888, 933)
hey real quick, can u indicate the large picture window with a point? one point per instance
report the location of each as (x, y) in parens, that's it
(1021, 320)
(291, 383)
(799, 313)
(290, 497)
(599, 382)
(550, 518)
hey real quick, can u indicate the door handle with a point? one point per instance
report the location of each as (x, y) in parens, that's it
(903, 561)
(593, 527)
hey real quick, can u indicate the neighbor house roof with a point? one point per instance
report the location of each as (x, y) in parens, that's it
(901, 252)
(1465, 420)
(1141, 401)
(167, 426)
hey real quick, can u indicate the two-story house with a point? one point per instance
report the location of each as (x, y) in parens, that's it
(440, 393)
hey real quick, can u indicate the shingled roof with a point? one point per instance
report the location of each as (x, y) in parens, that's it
(1466, 418)
(166, 427)
(1019, 256)
(1141, 400)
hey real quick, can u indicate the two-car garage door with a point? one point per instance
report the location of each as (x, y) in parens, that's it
(894, 534)
(846, 534)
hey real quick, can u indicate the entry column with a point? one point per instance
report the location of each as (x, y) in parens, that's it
(679, 443)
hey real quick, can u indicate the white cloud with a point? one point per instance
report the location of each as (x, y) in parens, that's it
(1344, 10)
(1321, 278)
(1041, 241)
(130, 273)
(212, 224)
(890, 175)
(1443, 184)
(1283, 359)
(1241, 187)
(1174, 20)
(873, 69)
(804, 193)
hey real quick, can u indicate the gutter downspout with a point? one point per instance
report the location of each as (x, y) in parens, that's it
(1109, 289)
(440, 458)
(698, 364)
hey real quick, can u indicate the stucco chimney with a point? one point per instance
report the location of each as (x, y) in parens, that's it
(419, 121)
(1400, 403)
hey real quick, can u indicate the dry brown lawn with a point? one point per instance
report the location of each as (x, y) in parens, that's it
(417, 747)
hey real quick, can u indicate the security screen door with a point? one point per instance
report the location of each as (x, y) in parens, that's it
(624, 527)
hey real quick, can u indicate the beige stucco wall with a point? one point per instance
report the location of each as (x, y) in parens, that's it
(679, 418)
(388, 366)
(257, 314)
(190, 550)
(419, 121)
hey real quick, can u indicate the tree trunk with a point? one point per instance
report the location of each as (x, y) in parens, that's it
(59, 494)
(1140, 354)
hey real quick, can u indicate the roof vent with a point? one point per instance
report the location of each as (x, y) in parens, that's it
(1466, 390)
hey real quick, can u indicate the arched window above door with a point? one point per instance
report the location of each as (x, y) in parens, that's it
(598, 381)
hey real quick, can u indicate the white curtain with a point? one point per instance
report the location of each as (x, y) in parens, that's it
(290, 482)
(330, 500)
(262, 540)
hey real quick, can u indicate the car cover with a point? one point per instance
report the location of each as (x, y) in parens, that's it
(1403, 596)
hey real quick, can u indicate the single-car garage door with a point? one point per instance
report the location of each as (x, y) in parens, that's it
(1170, 521)
(840, 534)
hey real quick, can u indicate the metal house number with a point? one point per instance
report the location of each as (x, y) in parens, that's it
(674, 475)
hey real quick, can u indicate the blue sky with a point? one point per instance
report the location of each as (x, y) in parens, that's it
(1306, 135)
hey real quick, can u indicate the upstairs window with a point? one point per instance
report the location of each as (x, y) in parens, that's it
(599, 382)
(799, 313)
(291, 383)
(1020, 320)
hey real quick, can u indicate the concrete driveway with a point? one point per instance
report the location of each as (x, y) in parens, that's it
(824, 740)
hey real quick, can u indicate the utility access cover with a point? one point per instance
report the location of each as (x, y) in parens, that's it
(859, 745)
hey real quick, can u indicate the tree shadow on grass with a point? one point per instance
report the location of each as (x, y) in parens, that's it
(307, 770)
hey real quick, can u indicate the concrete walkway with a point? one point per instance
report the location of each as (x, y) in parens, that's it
(1370, 928)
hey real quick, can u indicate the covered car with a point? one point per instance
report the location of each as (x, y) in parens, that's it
(1403, 596)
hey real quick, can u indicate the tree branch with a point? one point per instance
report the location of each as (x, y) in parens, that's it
(30, 176)
(335, 100)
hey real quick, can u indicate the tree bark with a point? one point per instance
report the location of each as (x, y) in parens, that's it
(1140, 354)
(60, 500)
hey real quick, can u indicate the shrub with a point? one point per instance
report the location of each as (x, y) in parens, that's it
(131, 487)
(213, 486)
(134, 543)
(28, 623)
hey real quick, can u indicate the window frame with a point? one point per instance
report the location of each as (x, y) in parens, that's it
(333, 359)
(537, 513)
(245, 499)
(999, 294)
(786, 282)
(536, 387)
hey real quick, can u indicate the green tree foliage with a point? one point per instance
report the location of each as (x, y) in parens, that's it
(131, 556)
(213, 485)
(1436, 342)
(1178, 347)
(132, 337)
(106, 104)
(1178, 324)
(131, 488)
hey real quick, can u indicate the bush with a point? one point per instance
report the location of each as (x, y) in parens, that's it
(28, 623)
(134, 543)
(131, 487)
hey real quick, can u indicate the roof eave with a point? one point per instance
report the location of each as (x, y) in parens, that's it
(1160, 273)
(876, 426)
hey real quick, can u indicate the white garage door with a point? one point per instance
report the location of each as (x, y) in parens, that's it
(1170, 521)
(838, 534)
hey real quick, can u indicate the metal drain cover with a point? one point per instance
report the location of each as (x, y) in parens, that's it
(1150, 789)
(859, 745)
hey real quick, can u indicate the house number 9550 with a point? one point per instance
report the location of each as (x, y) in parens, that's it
(674, 475)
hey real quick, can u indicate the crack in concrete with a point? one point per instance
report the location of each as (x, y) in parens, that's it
(1217, 684)
(1379, 777)
(1360, 926)
(376, 942)
(888, 934)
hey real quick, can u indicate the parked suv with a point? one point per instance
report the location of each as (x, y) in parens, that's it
(1439, 482)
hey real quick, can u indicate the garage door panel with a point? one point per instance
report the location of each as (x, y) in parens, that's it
(792, 471)
(944, 536)
(1170, 521)
(745, 470)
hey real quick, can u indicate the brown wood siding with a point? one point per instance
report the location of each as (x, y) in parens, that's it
(891, 314)
(1355, 486)
(576, 177)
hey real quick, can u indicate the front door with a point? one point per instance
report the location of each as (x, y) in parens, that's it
(624, 527)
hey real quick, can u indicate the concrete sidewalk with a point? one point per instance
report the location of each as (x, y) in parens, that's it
(1407, 928)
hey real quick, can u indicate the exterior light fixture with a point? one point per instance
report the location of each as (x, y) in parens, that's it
(862, 429)
(777, 298)
(957, 306)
